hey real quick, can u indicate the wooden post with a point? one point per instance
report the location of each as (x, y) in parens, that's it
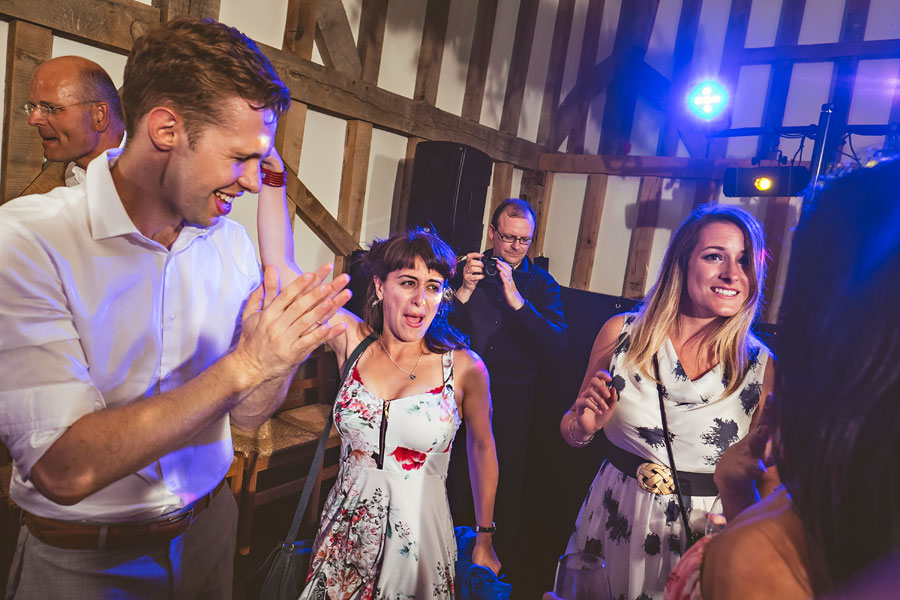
(431, 52)
(20, 162)
(518, 67)
(683, 53)
(730, 68)
(478, 60)
(401, 205)
(553, 87)
(775, 224)
(300, 28)
(586, 64)
(357, 143)
(642, 237)
(536, 189)
(588, 229)
(335, 38)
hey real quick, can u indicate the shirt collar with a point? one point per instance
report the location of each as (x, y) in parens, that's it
(107, 213)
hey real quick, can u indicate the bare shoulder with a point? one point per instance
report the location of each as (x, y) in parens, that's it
(758, 555)
(467, 364)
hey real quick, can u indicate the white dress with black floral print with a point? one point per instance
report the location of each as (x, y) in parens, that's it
(640, 533)
(386, 531)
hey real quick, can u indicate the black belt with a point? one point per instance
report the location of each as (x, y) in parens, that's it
(692, 484)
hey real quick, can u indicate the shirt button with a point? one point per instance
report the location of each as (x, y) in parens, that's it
(172, 317)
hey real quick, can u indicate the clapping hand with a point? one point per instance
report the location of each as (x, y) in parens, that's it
(510, 291)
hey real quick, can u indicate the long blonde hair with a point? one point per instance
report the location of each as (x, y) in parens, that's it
(730, 338)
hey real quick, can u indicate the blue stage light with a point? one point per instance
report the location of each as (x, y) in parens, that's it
(707, 100)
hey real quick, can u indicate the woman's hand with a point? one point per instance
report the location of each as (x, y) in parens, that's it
(596, 403)
(483, 553)
(743, 465)
(273, 162)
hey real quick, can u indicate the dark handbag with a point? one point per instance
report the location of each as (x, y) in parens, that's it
(690, 537)
(287, 565)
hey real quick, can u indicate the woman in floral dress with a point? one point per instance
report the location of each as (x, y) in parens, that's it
(692, 336)
(386, 530)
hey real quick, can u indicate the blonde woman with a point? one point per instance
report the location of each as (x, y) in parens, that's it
(689, 348)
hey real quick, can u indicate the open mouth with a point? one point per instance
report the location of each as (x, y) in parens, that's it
(223, 202)
(414, 320)
(724, 292)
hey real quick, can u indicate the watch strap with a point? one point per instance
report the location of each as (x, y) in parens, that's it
(483, 529)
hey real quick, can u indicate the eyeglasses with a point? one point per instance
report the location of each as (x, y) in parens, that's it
(511, 239)
(47, 110)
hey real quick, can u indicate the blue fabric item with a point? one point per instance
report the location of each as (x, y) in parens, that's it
(474, 582)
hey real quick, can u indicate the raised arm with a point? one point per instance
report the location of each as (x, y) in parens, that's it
(596, 399)
(473, 390)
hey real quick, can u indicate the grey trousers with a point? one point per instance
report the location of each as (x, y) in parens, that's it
(197, 564)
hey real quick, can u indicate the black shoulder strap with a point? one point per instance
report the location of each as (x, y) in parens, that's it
(320, 449)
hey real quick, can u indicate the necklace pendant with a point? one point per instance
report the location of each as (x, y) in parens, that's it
(411, 376)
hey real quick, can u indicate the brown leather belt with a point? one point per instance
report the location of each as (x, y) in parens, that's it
(72, 535)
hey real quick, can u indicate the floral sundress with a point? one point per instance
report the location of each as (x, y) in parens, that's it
(386, 531)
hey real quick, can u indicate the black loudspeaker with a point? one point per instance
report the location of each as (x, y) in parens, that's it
(449, 188)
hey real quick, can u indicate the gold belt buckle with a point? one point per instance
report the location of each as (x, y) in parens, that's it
(655, 478)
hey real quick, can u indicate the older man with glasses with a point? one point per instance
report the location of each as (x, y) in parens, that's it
(75, 107)
(512, 311)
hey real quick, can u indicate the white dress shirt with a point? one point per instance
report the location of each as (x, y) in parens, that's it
(94, 315)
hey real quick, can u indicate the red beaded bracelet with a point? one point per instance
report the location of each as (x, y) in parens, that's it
(272, 178)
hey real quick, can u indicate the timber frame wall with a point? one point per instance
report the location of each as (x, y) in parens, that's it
(346, 87)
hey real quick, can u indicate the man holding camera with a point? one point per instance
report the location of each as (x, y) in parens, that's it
(512, 311)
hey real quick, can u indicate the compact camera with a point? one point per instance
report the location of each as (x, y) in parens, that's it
(490, 266)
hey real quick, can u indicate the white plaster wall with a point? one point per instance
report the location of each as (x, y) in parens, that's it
(498, 64)
(536, 78)
(660, 54)
(676, 200)
(386, 161)
(457, 51)
(763, 23)
(748, 100)
(321, 158)
(113, 63)
(873, 94)
(616, 224)
(605, 44)
(711, 29)
(566, 198)
(262, 20)
(809, 88)
(884, 20)
(400, 50)
(645, 129)
(821, 22)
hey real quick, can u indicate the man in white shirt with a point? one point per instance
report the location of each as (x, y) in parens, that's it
(128, 342)
(75, 107)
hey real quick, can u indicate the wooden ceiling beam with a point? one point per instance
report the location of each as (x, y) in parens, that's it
(109, 24)
(300, 27)
(337, 94)
(683, 54)
(202, 9)
(317, 217)
(670, 167)
(480, 55)
(632, 38)
(864, 50)
(730, 68)
(334, 38)
(573, 113)
(641, 244)
(518, 67)
(431, 51)
(562, 28)
(370, 39)
(588, 231)
(780, 77)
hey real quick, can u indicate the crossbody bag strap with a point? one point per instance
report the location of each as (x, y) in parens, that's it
(662, 413)
(320, 449)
